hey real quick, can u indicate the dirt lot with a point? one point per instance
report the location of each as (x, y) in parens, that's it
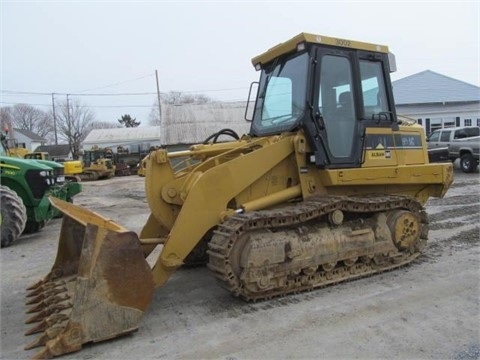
(428, 310)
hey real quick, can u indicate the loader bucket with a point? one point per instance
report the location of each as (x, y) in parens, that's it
(98, 288)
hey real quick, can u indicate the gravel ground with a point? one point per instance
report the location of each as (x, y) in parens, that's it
(427, 310)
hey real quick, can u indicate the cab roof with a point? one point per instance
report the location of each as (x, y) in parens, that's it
(291, 45)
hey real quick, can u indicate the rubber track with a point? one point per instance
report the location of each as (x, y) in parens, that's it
(293, 215)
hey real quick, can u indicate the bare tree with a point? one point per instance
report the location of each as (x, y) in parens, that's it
(154, 116)
(74, 123)
(104, 125)
(176, 98)
(27, 117)
(6, 118)
(179, 98)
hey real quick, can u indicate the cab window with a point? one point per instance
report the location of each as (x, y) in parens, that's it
(282, 96)
(373, 89)
(336, 104)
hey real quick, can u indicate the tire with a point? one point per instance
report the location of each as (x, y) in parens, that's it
(13, 216)
(33, 226)
(467, 163)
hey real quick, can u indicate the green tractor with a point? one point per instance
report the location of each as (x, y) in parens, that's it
(24, 191)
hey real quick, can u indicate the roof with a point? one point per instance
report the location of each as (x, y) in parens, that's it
(431, 87)
(122, 136)
(55, 150)
(30, 134)
(291, 45)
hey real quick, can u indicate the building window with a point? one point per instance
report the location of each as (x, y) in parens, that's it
(435, 124)
(478, 122)
(448, 123)
(468, 122)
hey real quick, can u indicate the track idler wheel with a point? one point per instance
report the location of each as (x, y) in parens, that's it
(405, 228)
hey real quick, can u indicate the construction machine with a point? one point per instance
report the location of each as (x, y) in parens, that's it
(329, 185)
(71, 168)
(142, 167)
(98, 164)
(11, 145)
(26, 186)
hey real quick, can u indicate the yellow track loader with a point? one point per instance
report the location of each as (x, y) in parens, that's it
(329, 185)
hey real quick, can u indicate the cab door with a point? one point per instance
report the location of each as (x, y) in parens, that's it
(336, 102)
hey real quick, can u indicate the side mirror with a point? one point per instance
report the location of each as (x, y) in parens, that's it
(252, 96)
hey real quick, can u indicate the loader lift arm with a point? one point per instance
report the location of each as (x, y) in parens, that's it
(202, 186)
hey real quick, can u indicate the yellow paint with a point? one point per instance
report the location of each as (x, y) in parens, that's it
(291, 45)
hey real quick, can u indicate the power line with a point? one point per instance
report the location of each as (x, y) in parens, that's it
(23, 103)
(13, 92)
(115, 94)
(10, 92)
(118, 83)
(83, 106)
(213, 90)
(105, 106)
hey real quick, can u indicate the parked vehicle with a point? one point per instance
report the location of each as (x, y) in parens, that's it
(467, 150)
(439, 140)
(98, 164)
(71, 168)
(25, 191)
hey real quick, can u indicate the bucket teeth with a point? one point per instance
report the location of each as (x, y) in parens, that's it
(97, 264)
(45, 295)
(47, 323)
(39, 341)
(52, 309)
(43, 354)
(36, 285)
(44, 287)
(49, 334)
(39, 328)
(48, 302)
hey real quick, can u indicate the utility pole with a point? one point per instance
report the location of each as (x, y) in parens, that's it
(158, 96)
(54, 119)
(68, 111)
(162, 128)
(71, 135)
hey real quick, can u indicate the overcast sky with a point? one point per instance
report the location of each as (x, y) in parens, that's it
(93, 47)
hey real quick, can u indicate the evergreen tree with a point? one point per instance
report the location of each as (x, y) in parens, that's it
(128, 121)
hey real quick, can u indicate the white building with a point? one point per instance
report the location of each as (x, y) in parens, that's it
(27, 139)
(437, 101)
(192, 124)
(134, 139)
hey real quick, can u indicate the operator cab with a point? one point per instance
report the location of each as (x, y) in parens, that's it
(331, 88)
